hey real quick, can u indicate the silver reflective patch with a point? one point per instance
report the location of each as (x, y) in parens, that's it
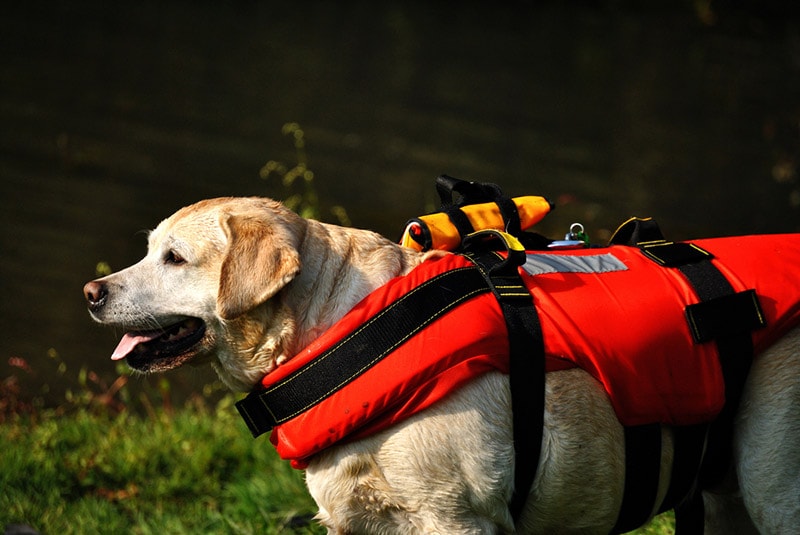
(539, 264)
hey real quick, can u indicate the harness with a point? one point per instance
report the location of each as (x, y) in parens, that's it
(725, 317)
(375, 367)
(396, 354)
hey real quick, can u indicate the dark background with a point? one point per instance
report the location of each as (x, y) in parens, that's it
(115, 114)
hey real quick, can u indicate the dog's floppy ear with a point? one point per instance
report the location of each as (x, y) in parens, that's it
(261, 259)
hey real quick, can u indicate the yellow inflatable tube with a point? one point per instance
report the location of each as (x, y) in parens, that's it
(436, 231)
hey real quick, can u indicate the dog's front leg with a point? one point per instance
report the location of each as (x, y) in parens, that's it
(446, 470)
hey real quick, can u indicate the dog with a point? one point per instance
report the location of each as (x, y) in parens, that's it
(244, 284)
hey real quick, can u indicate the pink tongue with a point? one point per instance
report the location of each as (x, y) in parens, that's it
(130, 341)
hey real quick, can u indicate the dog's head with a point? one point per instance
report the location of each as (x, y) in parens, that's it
(207, 290)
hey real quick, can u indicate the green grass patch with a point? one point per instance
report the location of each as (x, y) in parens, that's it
(196, 470)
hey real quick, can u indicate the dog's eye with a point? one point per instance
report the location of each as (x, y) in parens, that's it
(174, 258)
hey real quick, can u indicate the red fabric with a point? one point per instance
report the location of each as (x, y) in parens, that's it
(626, 328)
(457, 347)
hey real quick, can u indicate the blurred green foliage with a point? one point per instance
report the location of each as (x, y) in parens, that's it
(298, 180)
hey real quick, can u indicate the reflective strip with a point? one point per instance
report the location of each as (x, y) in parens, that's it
(539, 264)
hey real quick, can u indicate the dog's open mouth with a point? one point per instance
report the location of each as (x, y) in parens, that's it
(161, 349)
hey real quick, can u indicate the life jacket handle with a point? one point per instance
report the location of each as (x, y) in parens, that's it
(468, 207)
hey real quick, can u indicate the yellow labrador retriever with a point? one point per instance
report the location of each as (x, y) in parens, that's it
(244, 284)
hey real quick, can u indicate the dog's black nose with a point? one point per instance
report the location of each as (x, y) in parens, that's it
(96, 294)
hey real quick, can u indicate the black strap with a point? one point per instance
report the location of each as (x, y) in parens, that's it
(643, 450)
(690, 516)
(459, 220)
(527, 368)
(688, 444)
(682, 496)
(368, 344)
(508, 209)
(636, 231)
(475, 193)
(723, 316)
(642, 469)
(469, 192)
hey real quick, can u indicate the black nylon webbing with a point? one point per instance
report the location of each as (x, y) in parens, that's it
(724, 317)
(735, 353)
(262, 410)
(460, 220)
(642, 468)
(526, 372)
(727, 318)
(688, 445)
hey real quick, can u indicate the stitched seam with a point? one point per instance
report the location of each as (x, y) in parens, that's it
(335, 348)
(373, 361)
(757, 305)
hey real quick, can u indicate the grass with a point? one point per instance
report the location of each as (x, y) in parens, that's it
(192, 470)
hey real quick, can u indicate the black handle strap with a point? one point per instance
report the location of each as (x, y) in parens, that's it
(468, 193)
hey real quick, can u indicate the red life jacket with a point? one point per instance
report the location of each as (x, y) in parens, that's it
(611, 311)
